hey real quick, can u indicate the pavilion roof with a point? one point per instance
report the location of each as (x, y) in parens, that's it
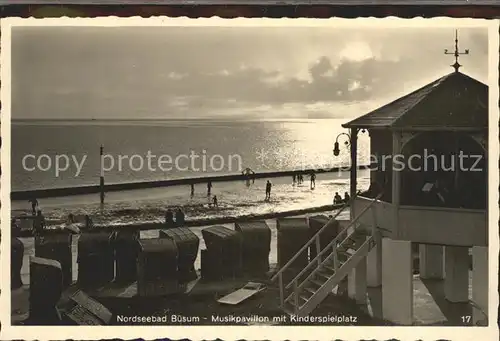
(453, 102)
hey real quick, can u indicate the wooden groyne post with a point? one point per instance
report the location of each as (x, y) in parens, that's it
(101, 179)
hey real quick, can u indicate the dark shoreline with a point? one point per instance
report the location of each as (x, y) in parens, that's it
(93, 189)
(198, 222)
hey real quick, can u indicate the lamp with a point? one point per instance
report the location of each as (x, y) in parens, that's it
(336, 149)
(347, 143)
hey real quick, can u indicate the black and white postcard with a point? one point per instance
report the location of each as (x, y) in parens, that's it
(287, 178)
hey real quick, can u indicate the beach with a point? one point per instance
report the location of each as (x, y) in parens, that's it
(235, 199)
(201, 304)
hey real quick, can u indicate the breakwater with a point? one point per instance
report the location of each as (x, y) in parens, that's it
(202, 222)
(93, 189)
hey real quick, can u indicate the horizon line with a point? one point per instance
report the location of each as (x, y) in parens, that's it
(172, 119)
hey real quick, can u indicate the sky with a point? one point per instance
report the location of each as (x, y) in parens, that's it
(208, 72)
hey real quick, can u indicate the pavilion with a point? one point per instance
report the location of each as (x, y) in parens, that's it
(435, 193)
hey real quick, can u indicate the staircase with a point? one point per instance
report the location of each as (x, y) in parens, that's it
(331, 265)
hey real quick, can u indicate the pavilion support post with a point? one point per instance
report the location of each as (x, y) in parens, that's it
(480, 285)
(101, 178)
(397, 281)
(456, 165)
(431, 261)
(396, 184)
(374, 264)
(397, 260)
(354, 166)
(456, 282)
(357, 282)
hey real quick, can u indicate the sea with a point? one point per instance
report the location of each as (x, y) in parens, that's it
(58, 153)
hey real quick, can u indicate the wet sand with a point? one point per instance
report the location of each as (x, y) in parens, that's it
(235, 199)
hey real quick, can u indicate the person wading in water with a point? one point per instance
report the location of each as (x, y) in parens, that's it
(248, 172)
(209, 188)
(34, 205)
(313, 180)
(269, 186)
(300, 179)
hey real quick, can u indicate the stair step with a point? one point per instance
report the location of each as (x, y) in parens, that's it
(317, 282)
(351, 251)
(351, 245)
(307, 293)
(342, 251)
(324, 268)
(323, 275)
(315, 285)
(348, 251)
(331, 265)
(311, 290)
(302, 299)
(330, 268)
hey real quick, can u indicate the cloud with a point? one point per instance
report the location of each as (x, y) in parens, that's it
(175, 72)
(346, 81)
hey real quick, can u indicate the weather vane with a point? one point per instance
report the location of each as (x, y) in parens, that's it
(457, 65)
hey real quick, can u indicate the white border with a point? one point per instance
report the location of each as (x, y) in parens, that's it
(251, 332)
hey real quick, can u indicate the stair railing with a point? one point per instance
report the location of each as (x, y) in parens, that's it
(314, 239)
(335, 259)
(332, 246)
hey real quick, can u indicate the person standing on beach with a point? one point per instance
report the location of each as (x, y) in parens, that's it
(313, 180)
(209, 188)
(38, 224)
(71, 224)
(347, 197)
(14, 228)
(89, 224)
(34, 205)
(248, 172)
(192, 190)
(215, 202)
(293, 179)
(169, 219)
(179, 218)
(71, 219)
(269, 185)
(337, 199)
